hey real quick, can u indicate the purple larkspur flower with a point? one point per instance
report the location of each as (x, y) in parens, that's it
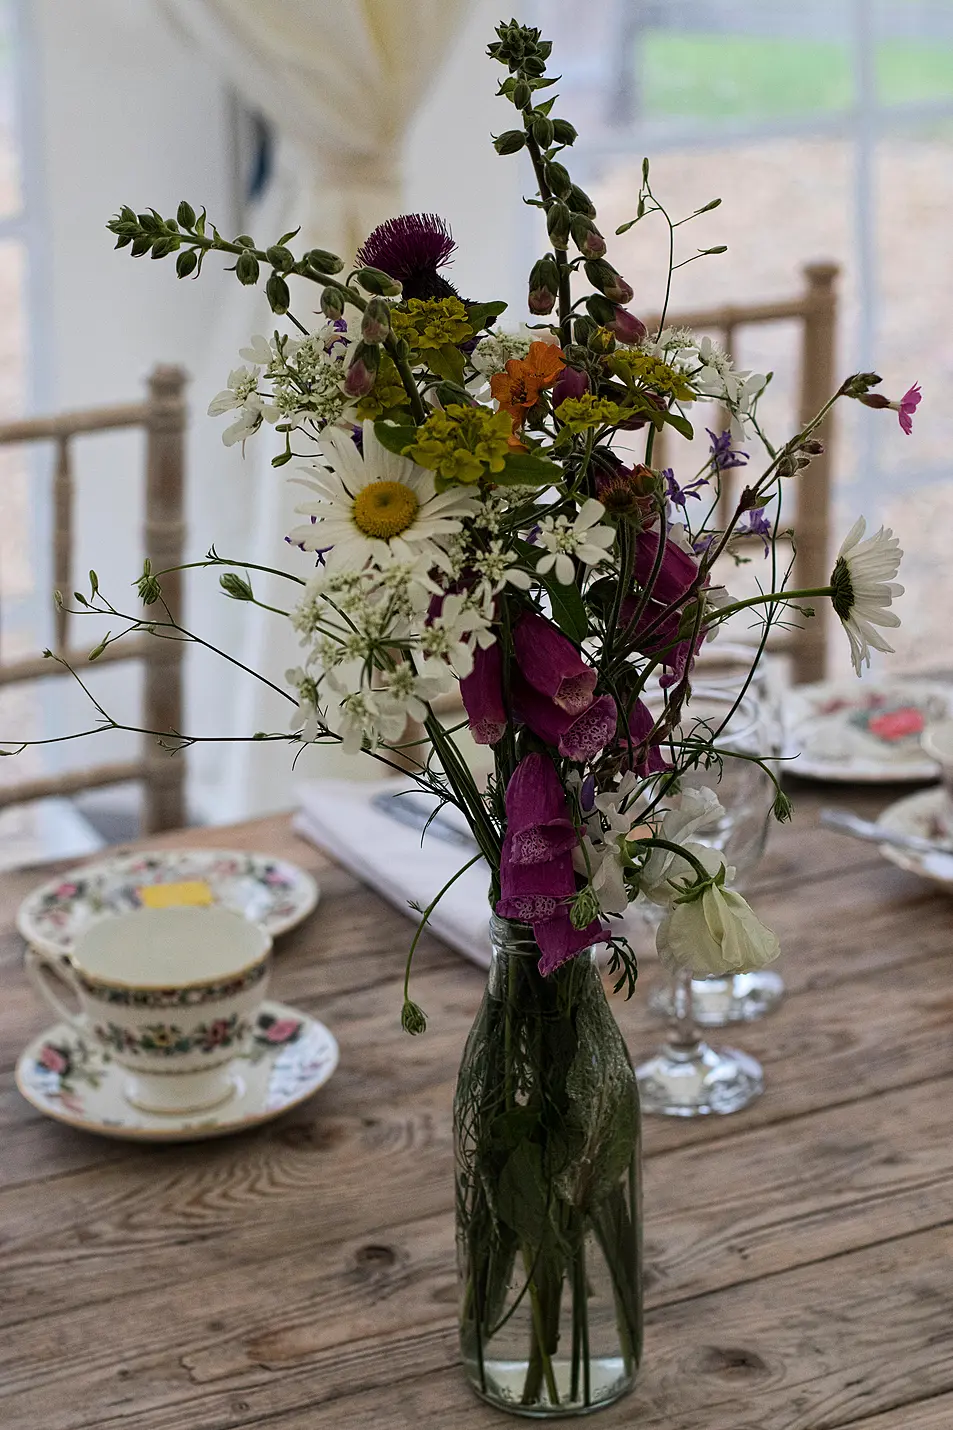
(412, 248)
(678, 495)
(723, 455)
(758, 525)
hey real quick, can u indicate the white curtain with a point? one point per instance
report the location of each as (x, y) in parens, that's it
(343, 79)
(340, 80)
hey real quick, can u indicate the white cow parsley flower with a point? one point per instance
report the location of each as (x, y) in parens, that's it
(492, 353)
(864, 587)
(583, 539)
(242, 393)
(452, 633)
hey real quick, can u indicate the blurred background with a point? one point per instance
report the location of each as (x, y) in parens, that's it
(826, 128)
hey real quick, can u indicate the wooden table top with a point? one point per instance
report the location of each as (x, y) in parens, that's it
(301, 1276)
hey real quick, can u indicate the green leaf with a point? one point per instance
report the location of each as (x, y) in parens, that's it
(287, 237)
(395, 438)
(547, 106)
(522, 1198)
(479, 314)
(527, 469)
(569, 611)
(447, 362)
(680, 423)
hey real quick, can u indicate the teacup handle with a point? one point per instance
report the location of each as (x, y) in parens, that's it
(43, 970)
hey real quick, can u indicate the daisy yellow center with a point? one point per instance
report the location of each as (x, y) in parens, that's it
(385, 509)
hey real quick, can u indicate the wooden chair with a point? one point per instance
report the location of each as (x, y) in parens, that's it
(816, 311)
(163, 417)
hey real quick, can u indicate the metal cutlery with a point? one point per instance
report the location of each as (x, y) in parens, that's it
(843, 822)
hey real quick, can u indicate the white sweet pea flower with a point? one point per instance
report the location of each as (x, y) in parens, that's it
(583, 539)
(864, 587)
(714, 933)
(697, 809)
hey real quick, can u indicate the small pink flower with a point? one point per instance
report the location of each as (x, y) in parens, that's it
(907, 406)
(52, 1059)
(65, 891)
(282, 1030)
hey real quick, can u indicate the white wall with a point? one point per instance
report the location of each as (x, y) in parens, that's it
(131, 113)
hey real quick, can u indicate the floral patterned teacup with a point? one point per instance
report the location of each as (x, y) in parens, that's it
(170, 994)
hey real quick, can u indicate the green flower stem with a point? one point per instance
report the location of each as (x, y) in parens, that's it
(655, 842)
(227, 561)
(560, 254)
(540, 1360)
(769, 598)
(425, 919)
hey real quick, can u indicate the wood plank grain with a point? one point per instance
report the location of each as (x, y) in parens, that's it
(933, 1414)
(816, 1348)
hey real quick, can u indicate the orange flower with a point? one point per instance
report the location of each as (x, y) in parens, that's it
(518, 388)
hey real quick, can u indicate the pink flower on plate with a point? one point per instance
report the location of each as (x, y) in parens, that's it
(53, 1059)
(907, 406)
(65, 891)
(282, 1030)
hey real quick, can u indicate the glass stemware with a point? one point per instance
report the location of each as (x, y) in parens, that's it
(687, 1077)
(726, 666)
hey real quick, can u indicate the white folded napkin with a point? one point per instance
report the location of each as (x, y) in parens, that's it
(381, 843)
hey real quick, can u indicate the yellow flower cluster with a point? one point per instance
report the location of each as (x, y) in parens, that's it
(641, 369)
(387, 393)
(428, 323)
(581, 413)
(462, 444)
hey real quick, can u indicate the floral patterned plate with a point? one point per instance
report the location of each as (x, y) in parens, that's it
(865, 732)
(271, 892)
(290, 1057)
(925, 813)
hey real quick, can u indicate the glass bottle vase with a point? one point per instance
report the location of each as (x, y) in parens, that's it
(547, 1138)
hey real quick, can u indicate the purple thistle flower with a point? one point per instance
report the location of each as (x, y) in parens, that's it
(412, 248)
(723, 455)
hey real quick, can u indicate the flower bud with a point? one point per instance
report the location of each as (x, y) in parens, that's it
(413, 1019)
(509, 143)
(542, 130)
(332, 303)
(557, 177)
(522, 95)
(246, 268)
(582, 327)
(375, 324)
(324, 262)
(571, 382)
(580, 202)
(627, 327)
(187, 262)
(373, 280)
(603, 276)
(600, 310)
(564, 132)
(543, 286)
(280, 257)
(185, 214)
(557, 224)
(586, 236)
(276, 291)
(812, 446)
(236, 586)
(362, 372)
(601, 341)
(873, 399)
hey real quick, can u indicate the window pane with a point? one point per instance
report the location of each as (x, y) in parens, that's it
(732, 76)
(11, 200)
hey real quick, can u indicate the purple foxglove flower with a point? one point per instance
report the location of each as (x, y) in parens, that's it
(552, 664)
(559, 941)
(538, 827)
(533, 892)
(676, 573)
(482, 695)
(576, 737)
(627, 327)
(643, 757)
(541, 301)
(362, 373)
(571, 382)
(677, 654)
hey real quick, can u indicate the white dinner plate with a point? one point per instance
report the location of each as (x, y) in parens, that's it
(865, 732)
(921, 814)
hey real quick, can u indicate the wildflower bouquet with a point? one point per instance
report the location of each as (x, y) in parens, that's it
(482, 510)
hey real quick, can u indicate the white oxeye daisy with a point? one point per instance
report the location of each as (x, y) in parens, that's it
(583, 539)
(377, 507)
(863, 588)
